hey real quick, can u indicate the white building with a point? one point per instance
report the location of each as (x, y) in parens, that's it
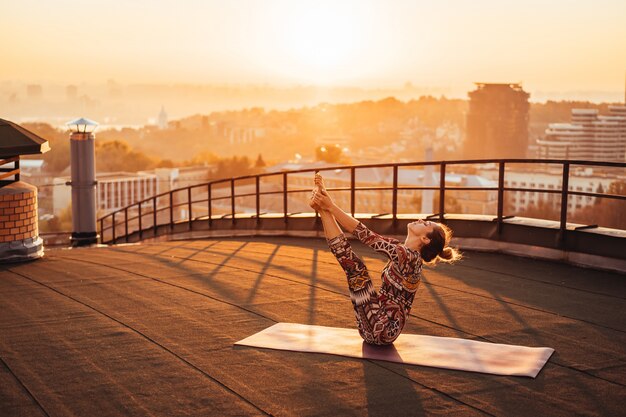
(114, 190)
(583, 182)
(589, 136)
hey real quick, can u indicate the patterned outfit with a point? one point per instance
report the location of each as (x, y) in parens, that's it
(380, 317)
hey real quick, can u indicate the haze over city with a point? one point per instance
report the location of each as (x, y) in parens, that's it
(558, 49)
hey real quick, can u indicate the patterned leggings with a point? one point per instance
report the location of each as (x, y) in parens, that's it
(372, 321)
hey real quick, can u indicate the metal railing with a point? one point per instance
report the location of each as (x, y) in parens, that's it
(117, 226)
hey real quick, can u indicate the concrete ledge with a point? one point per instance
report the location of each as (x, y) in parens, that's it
(599, 248)
(538, 252)
(21, 250)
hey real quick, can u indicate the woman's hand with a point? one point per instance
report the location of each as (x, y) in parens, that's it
(322, 200)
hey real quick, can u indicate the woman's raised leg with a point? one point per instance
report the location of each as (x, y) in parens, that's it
(362, 293)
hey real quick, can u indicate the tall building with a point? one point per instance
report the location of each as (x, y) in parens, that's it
(589, 136)
(162, 119)
(497, 122)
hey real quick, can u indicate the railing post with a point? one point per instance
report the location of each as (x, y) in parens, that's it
(442, 191)
(564, 198)
(139, 217)
(352, 190)
(113, 228)
(154, 215)
(258, 200)
(171, 210)
(232, 198)
(209, 204)
(102, 230)
(500, 195)
(126, 223)
(285, 197)
(189, 208)
(394, 198)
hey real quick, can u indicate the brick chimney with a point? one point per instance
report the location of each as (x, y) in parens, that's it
(19, 232)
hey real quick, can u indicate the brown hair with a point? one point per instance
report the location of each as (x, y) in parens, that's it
(437, 250)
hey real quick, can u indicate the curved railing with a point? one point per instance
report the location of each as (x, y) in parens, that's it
(218, 200)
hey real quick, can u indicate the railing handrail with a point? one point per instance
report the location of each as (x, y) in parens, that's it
(394, 187)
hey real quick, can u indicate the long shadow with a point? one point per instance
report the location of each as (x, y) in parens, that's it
(454, 325)
(222, 289)
(282, 268)
(385, 389)
(312, 288)
(261, 275)
(536, 338)
(225, 290)
(202, 278)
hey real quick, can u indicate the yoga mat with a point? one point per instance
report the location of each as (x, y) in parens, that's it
(439, 352)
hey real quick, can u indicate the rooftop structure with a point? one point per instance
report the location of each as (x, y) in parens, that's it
(497, 122)
(19, 231)
(149, 330)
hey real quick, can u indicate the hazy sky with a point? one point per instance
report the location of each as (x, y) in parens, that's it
(549, 45)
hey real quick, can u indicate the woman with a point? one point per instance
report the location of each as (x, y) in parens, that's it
(381, 316)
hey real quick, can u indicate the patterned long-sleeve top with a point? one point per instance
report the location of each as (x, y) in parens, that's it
(402, 274)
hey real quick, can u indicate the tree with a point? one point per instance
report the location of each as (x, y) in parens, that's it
(204, 157)
(119, 156)
(233, 167)
(260, 163)
(331, 153)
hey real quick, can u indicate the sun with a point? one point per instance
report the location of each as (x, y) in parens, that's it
(320, 43)
(320, 38)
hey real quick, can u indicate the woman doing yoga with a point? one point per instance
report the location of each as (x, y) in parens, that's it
(381, 316)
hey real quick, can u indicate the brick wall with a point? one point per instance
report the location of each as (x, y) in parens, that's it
(18, 212)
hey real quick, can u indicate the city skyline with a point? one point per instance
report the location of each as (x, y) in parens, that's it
(556, 47)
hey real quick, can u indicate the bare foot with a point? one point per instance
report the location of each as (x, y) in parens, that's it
(312, 202)
(319, 182)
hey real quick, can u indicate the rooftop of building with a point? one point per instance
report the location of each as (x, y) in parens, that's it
(148, 329)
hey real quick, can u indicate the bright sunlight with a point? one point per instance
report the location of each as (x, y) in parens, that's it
(323, 42)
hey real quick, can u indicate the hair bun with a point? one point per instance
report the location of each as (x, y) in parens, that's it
(449, 254)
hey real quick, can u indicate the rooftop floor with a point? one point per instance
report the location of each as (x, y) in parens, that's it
(149, 330)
